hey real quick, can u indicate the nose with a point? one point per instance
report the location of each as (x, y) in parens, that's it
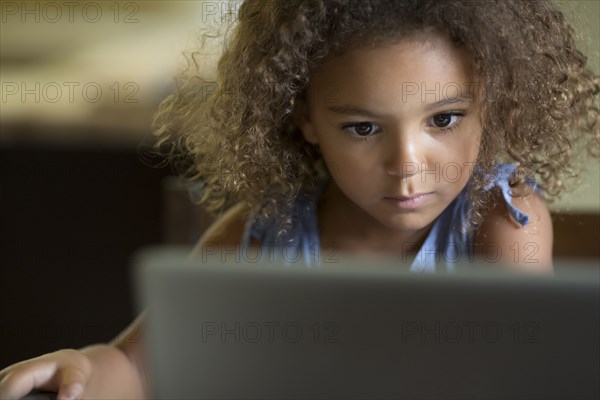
(403, 156)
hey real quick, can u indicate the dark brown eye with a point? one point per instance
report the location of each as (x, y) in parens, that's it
(442, 120)
(363, 128)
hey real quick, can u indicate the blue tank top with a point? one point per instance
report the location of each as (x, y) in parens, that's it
(447, 243)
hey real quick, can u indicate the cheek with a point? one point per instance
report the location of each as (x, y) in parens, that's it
(340, 163)
(454, 163)
(464, 146)
(349, 163)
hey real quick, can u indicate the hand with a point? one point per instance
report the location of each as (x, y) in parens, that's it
(65, 372)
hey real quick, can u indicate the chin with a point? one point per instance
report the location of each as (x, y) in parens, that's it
(407, 223)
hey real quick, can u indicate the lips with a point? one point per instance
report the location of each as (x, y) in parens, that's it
(408, 203)
(405, 198)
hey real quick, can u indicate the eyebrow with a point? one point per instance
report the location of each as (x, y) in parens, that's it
(449, 100)
(352, 110)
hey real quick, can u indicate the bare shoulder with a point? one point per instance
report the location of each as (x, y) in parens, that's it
(503, 240)
(225, 231)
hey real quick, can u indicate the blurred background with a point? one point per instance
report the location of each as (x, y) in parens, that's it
(80, 81)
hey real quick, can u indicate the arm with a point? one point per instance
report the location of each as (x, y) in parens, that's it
(501, 239)
(227, 231)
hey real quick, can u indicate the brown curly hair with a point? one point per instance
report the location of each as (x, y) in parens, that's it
(241, 144)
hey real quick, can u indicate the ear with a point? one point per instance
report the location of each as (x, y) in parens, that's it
(301, 118)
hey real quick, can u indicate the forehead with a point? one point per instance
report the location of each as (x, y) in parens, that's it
(430, 64)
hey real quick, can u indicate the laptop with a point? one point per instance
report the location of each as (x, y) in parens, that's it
(361, 328)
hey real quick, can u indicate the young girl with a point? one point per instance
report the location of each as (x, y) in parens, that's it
(427, 130)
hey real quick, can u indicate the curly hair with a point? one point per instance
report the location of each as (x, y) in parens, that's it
(240, 143)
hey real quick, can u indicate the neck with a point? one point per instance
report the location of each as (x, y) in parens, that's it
(355, 231)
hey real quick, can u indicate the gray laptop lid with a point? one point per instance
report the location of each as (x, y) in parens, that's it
(366, 330)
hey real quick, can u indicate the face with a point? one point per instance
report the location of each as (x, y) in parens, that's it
(398, 127)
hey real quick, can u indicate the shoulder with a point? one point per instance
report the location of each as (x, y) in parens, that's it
(226, 231)
(501, 239)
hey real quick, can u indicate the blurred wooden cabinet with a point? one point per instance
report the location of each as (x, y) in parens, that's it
(183, 222)
(576, 235)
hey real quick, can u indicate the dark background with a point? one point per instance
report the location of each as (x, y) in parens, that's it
(71, 218)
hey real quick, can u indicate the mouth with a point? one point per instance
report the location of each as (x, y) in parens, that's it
(406, 198)
(408, 202)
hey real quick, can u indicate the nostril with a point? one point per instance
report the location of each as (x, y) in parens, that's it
(403, 169)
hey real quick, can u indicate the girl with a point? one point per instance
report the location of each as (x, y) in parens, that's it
(424, 129)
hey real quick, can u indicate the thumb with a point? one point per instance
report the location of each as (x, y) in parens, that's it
(72, 383)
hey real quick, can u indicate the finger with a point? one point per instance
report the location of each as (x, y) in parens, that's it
(21, 379)
(72, 384)
(10, 368)
(5, 372)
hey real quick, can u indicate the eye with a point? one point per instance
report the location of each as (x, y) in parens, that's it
(446, 121)
(362, 129)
